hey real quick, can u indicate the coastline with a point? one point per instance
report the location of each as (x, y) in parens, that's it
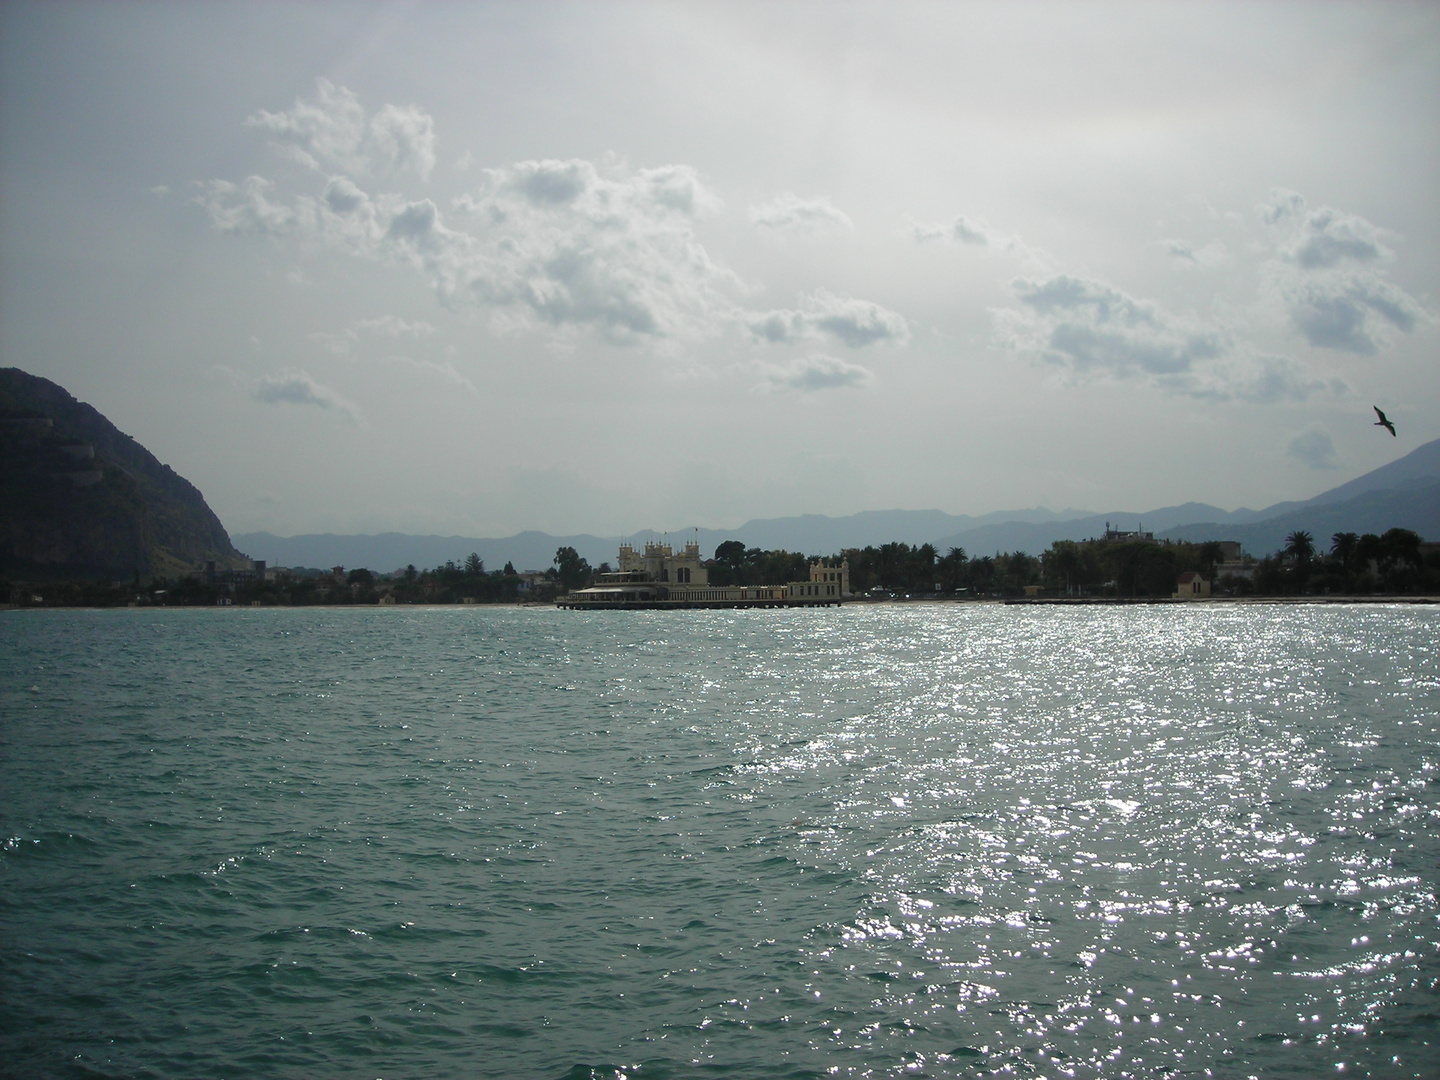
(1069, 601)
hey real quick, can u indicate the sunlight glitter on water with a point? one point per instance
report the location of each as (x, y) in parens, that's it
(906, 840)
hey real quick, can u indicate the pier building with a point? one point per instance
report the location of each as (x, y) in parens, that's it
(659, 577)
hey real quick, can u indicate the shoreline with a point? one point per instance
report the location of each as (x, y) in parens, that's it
(1068, 601)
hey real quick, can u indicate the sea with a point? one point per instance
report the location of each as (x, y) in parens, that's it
(883, 840)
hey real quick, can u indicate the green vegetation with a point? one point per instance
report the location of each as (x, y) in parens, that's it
(1389, 564)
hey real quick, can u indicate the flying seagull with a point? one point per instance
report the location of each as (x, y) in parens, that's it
(1382, 422)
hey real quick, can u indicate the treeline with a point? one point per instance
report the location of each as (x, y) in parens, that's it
(1393, 563)
(1067, 568)
(451, 583)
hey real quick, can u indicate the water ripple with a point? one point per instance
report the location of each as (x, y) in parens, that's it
(904, 840)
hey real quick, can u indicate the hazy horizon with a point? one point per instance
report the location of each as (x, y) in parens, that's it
(579, 268)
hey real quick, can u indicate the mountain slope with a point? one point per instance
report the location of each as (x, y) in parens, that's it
(1398, 489)
(79, 496)
(1408, 507)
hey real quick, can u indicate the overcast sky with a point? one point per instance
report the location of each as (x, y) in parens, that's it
(604, 267)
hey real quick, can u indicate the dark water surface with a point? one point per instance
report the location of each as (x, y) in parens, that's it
(873, 841)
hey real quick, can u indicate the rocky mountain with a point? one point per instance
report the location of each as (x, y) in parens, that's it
(80, 498)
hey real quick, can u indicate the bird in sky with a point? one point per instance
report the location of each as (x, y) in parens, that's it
(1383, 422)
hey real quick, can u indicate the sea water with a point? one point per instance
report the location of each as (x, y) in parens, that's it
(883, 840)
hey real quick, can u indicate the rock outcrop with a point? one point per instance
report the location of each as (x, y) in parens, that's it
(80, 498)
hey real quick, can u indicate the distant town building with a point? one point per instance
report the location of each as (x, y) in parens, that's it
(660, 577)
(1118, 536)
(661, 564)
(1191, 586)
(529, 582)
(226, 578)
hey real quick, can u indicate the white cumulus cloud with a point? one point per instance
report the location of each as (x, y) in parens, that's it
(1209, 256)
(1093, 330)
(299, 388)
(818, 372)
(852, 322)
(962, 230)
(1354, 313)
(788, 213)
(1329, 272)
(332, 131)
(561, 244)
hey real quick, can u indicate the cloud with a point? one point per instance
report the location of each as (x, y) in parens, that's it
(1327, 237)
(1260, 379)
(562, 244)
(343, 342)
(1210, 256)
(1328, 272)
(791, 214)
(1093, 330)
(1283, 205)
(817, 372)
(566, 245)
(966, 231)
(340, 342)
(1312, 446)
(395, 327)
(247, 207)
(852, 322)
(331, 131)
(1351, 313)
(298, 388)
(432, 369)
(160, 191)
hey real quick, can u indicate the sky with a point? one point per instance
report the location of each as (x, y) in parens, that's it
(481, 268)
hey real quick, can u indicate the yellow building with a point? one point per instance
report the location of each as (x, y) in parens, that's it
(658, 577)
(1191, 586)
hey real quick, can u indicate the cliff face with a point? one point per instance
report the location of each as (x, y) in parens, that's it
(78, 497)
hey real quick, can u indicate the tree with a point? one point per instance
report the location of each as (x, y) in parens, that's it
(1209, 554)
(951, 568)
(1018, 569)
(1342, 548)
(1299, 546)
(982, 574)
(510, 569)
(572, 570)
(474, 565)
(731, 552)
(1062, 565)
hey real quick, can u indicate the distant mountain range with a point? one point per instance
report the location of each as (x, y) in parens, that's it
(1404, 493)
(78, 497)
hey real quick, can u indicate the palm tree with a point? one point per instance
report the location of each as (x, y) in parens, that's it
(1300, 545)
(1342, 547)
